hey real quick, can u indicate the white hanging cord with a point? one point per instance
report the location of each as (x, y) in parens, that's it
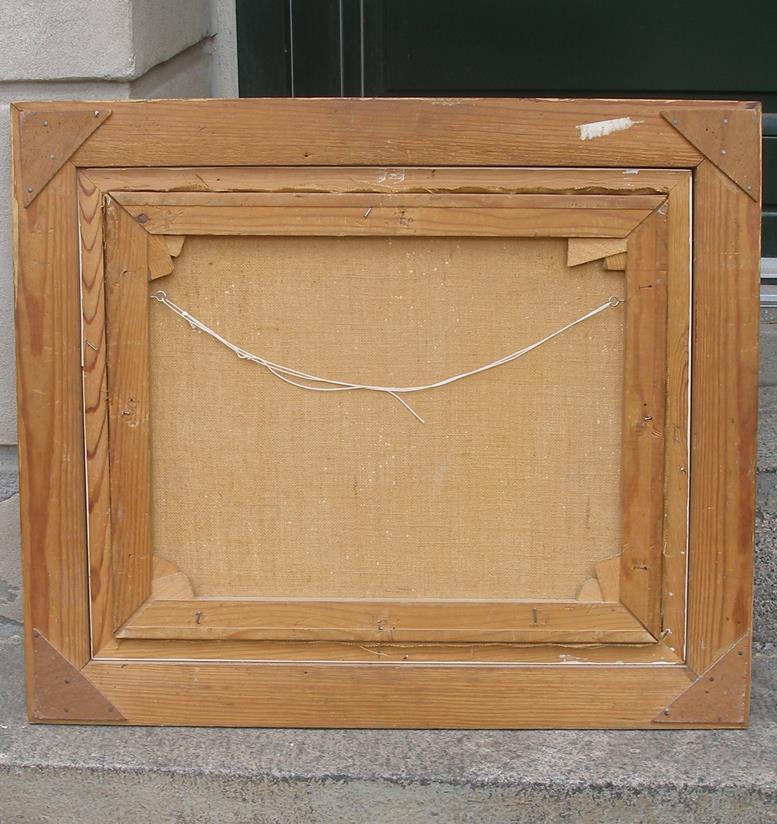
(287, 373)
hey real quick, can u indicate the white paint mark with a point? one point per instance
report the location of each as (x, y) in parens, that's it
(601, 128)
(631, 171)
(388, 176)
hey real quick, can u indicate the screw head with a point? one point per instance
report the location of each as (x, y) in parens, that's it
(723, 151)
(142, 218)
(29, 189)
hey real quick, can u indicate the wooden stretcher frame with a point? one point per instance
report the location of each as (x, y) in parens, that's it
(93, 637)
(137, 612)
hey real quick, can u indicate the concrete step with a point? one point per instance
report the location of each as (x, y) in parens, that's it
(137, 775)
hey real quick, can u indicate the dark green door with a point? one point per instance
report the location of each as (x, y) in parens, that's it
(524, 48)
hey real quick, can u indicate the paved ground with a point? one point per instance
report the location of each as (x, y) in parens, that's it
(95, 774)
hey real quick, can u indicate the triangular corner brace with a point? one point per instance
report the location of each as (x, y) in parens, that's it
(725, 138)
(47, 140)
(61, 692)
(718, 695)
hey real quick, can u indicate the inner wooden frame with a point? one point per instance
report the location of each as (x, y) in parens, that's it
(624, 606)
(339, 684)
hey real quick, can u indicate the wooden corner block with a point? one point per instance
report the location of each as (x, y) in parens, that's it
(60, 691)
(47, 140)
(615, 263)
(159, 254)
(169, 583)
(160, 261)
(718, 696)
(585, 249)
(174, 244)
(728, 138)
(604, 586)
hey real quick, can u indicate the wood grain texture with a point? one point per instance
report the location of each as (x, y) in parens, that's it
(303, 695)
(47, 140)
(643, 422)
(95, 388)
(719, 696)
(126, 278)
(61, 692)
(369, 652)
(174, 244)
(420, 221)
(724, 379)
(357, 620)
(365, 200)
(608, 576)
(616, 263)
(476, 132)
(160, 262)
(233, 631)
(168, 582)
(399, 690)
(605, 585)
(387, 179)
(677, 436)
(729, 139)
(49, 396)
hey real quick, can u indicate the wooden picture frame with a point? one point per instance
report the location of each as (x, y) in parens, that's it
(665, 195)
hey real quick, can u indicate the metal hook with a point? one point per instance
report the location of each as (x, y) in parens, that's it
(161, 296)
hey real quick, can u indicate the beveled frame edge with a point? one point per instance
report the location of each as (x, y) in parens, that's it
(53, 533)
(639, 621)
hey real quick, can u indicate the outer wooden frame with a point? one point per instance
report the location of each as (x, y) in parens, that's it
(709, 687)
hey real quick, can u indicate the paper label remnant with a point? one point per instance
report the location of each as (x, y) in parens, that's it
(601, 128)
